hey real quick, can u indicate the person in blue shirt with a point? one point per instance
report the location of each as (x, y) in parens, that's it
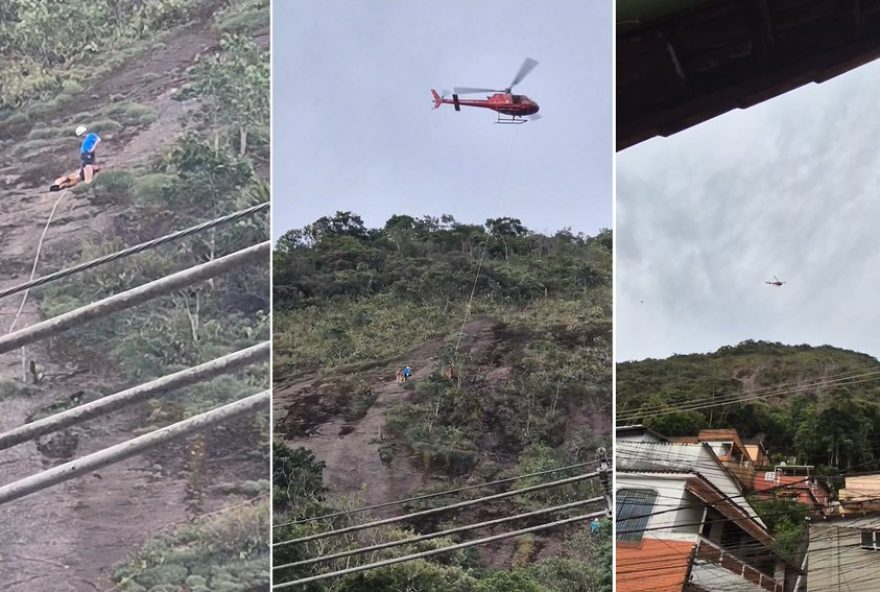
(87, 151)
(407, 372)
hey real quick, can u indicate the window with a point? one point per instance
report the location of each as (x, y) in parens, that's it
(634, 507)
(870, 539)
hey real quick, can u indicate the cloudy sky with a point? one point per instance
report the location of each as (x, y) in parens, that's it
(354, 127)
(790, 187)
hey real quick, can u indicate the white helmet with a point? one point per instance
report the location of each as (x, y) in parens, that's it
(81, 130)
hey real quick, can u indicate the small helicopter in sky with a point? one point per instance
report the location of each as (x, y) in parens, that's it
(504, 102)
(775, 282)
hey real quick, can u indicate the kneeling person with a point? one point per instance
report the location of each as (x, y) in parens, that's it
(87, 153)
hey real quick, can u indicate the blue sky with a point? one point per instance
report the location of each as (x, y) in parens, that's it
(354, 129)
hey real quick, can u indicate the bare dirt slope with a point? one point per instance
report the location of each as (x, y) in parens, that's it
(67, 538)
(351, 449)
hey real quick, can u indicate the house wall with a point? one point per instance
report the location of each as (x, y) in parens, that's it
(837, 563)
(652, 565)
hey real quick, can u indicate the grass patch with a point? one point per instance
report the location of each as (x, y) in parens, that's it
(16, 125)
(9, 388)
(152, 190)
(105, 126)
(32, 147)
(360, 404)
(71, 87)
(226, 552)
(130, 113)
(112, 185)
(247, 20)
(150, 77)
(45, 133)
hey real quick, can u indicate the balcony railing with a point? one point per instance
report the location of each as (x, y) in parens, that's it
(718, 556)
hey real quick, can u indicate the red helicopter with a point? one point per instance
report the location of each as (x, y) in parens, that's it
(775, 282)
(504, 102)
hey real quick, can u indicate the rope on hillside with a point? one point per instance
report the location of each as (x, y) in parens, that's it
(33, 273)
(467, 312)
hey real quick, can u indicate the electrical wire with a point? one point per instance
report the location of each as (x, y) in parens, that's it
(131, 250)
(428, 512)
(433, 495)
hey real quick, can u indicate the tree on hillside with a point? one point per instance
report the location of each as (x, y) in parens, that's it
(237, 80)
(504, 229)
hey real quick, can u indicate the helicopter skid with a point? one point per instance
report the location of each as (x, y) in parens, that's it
(511, 120)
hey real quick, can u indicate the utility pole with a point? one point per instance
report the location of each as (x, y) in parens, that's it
(605, 477)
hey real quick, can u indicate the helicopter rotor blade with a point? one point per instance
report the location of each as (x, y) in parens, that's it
(466, 90)
(534, 117)
(527, 66)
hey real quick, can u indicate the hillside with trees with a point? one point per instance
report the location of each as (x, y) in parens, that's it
(810, 405)
(508, 333)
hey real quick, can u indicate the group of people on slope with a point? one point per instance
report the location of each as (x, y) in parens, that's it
(404, 374)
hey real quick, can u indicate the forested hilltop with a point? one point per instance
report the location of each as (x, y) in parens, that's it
(508, 333)
(815, 405)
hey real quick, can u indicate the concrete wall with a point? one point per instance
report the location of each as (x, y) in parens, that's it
(837, 563)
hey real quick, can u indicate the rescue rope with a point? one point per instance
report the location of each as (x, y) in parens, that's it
(467, 312)
(34, 273)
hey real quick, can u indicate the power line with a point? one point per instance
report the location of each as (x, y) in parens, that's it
(734, 397)
(33, 283)
(433, 495)
(464, 504)
(438, 534)
(704, 403)
(124, 450)
(447, 549)
(138, 393)
(133, 297)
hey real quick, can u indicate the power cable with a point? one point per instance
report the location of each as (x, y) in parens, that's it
(442, 533)
(417, 498)
(428, 512)
(33, 283)
(446, 549)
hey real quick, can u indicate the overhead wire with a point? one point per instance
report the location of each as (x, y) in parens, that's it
(446, 549)
(426, 496)
(707, 403)
(438, 534)
(33, 283)
(430, 511)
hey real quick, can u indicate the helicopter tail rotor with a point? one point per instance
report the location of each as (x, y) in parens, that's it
(438, 100)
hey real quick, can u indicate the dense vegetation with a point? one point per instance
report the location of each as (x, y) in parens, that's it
(831, 426)
(215, 164)
(352, 300)
(582, 564)
(50, 50)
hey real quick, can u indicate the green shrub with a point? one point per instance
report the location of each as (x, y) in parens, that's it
(105, 126)
(72, 87)
(16, 125)
(112, 185)
(153, 190)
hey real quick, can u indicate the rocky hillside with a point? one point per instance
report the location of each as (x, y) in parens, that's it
(508, 334)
